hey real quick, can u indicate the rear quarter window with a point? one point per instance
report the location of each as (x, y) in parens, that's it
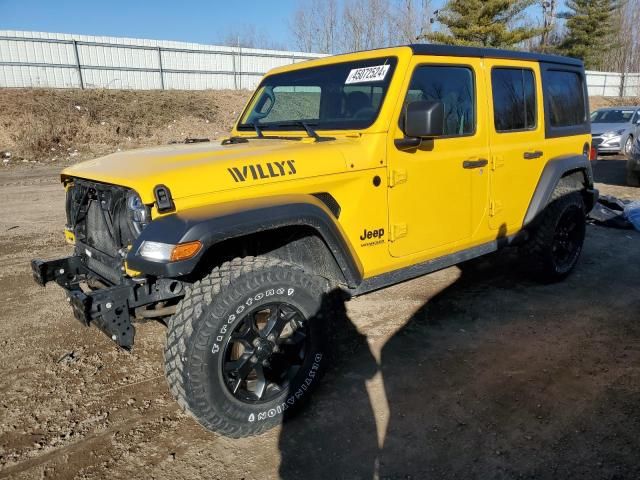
(565, 101)
(565, 98)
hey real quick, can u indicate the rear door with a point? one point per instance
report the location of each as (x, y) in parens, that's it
(516, 138)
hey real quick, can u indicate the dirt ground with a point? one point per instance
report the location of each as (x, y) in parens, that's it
(467, 373)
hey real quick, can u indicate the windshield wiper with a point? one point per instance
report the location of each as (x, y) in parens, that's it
(257, 129)
(310, 131)
(307, 128)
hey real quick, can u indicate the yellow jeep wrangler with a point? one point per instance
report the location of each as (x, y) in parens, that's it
(343, 174)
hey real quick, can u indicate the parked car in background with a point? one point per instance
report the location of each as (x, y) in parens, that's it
(633, 165)
(615, 129)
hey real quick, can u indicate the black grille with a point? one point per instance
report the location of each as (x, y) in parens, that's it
(99, 230)
(98, 216)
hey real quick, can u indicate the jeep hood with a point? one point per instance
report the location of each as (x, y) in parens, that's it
(210, 167)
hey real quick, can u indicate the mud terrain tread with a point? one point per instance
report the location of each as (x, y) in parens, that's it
(181, 327)
(535, 248)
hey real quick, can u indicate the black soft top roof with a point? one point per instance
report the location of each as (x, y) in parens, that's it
(457, 51)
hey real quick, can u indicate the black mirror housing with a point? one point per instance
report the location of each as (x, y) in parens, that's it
(424, 119)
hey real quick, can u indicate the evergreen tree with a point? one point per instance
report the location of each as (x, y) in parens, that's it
(591, 31)
(486, 23)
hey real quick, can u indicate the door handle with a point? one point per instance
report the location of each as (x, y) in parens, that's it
(532, 155)
(479, 163)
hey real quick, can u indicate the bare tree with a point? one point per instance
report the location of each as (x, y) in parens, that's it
(625, 54)
(367, 24)
(549, 24)
(248, 36)
(315, 26)
(302, 30)
(333, 26)
(410, 19)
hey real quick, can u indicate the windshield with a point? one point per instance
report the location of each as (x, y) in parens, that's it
(612, 116)
(333, 97)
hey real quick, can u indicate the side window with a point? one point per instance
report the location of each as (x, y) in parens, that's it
(636, 117)
(514, 99)
(454, 87)
(565, 98)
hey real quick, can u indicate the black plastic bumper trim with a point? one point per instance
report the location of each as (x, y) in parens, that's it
(110, 309)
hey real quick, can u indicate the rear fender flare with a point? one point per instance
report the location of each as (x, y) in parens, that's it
(553, 172)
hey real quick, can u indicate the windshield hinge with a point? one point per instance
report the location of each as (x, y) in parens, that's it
(495, 207)
(398, 230)
(497, 161)
(396, 177)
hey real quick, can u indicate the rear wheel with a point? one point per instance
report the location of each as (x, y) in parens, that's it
(247, 344)
(556, 242)
(633, 176)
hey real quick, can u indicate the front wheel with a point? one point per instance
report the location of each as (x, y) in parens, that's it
(247, 344)
(628, 146)
(556, 242)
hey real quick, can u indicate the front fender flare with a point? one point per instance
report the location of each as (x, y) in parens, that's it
(216, 223)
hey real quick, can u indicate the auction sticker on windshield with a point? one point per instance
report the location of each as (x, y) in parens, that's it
(367, 74)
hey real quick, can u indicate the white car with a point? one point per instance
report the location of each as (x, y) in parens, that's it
(615, 129)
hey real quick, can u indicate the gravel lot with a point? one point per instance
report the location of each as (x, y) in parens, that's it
(472, 372)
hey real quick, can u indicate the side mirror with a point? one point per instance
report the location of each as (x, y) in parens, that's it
(422, 120)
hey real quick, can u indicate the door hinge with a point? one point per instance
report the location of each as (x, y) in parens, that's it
(398, 230)
(497, 161)
(397, 176)
(495, 207)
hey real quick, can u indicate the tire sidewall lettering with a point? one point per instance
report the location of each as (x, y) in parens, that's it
(236, 315)
(292, 399)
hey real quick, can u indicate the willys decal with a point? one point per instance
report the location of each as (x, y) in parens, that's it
(264, 170)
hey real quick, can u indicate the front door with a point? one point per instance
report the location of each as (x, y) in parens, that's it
(438, 192)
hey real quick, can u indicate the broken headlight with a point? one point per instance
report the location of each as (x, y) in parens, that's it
(139, 215)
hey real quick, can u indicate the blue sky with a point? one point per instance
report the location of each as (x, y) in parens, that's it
(202, 21)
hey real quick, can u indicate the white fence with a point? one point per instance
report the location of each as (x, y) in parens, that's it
(55, 60)
(611, 84)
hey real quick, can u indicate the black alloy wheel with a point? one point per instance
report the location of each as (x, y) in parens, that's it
(568, 238)
(264, 352)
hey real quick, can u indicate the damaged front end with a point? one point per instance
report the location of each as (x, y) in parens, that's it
(103, 221)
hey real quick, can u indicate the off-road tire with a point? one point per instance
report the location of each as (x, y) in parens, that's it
(633, 178)
(540, 249)
(203, 324)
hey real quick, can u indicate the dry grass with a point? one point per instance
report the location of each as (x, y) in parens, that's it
(49, 125)
(600, 102)
(68, 125)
